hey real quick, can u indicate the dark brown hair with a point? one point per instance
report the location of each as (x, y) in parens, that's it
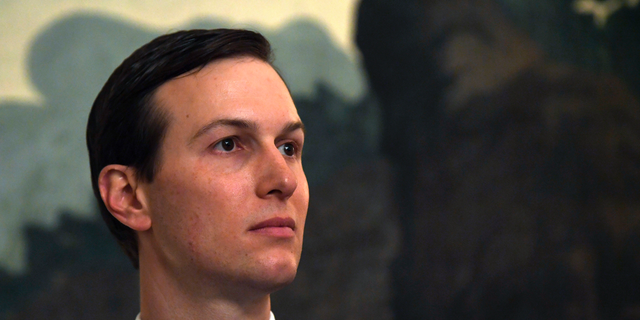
(125, 127)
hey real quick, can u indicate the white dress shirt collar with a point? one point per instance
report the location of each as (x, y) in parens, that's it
(271, 317)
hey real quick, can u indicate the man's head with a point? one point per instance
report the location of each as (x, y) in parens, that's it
(195, 145)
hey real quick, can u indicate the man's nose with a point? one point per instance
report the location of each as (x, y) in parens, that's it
(276, 177)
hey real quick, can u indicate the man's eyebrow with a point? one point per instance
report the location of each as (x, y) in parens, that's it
(244, 124)
(238, 123)
(293, 126)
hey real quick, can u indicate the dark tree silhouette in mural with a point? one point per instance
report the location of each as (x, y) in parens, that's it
(517, 176)
(76, 271)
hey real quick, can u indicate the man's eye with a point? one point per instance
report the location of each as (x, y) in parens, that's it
(287, 149)
(225, 145)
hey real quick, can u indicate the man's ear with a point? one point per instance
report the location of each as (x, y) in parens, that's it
(119, 191)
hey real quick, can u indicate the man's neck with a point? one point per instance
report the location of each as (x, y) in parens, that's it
(163, 297)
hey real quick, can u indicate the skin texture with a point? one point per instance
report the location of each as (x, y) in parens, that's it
(230, 160)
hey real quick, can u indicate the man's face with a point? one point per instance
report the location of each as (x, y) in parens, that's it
(229, 200)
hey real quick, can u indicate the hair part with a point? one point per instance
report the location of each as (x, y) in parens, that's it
(127, 127)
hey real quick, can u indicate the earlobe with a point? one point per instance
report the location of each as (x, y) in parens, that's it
(118, 189)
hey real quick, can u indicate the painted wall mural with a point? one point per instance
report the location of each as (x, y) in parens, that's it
(475, 159)
(513, 129)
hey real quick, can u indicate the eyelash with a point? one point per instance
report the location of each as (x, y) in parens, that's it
(297, 150)
(294, 145)
(219, 147)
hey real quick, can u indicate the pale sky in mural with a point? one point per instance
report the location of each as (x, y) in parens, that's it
(20, 21)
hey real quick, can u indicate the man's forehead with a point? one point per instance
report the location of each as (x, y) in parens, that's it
(218, 69)
(233, 88)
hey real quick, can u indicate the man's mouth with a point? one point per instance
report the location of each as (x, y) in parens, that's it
(276, 227)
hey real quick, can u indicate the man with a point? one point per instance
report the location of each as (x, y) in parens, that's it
(195, 147)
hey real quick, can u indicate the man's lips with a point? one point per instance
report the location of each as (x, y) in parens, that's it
(277, 227)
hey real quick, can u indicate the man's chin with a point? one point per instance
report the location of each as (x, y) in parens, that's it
(275, 277)
(285, 277)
